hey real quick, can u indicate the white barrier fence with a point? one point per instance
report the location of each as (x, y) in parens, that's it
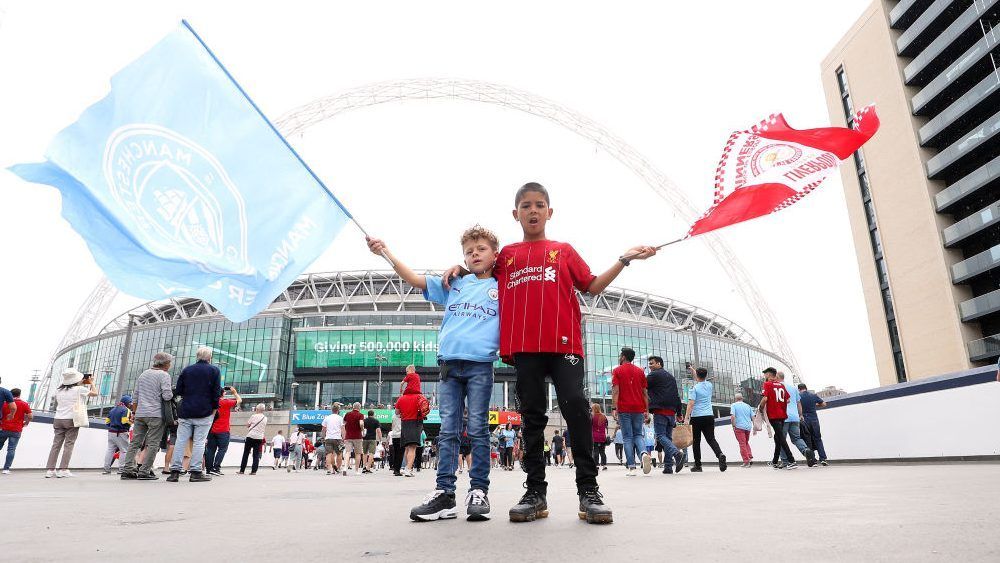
(954, 416)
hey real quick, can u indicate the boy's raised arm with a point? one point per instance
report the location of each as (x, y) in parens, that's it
(378, 248)
(602, 281)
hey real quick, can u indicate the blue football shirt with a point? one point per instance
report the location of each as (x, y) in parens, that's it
(702, 399)
(471, 327)
(743, 414)
(809, 401)
(793, 403)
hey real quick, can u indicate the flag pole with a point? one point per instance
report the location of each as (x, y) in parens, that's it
(368, 236)
(631, 256)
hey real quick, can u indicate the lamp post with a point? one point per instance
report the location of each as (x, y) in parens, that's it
(291, 405)
(379, 358)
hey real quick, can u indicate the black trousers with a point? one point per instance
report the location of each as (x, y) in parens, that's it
(507, 456)
(568, 375)
(251, 445)
(397, 456)
(780, 441)
(600, 456)
(619, 451)
(703, 426)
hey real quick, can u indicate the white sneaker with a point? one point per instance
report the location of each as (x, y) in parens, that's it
(6, 471)
(358, 473)
(407, 473)
(630, 472)
(65, 473)
(646, 463)
(49, 474)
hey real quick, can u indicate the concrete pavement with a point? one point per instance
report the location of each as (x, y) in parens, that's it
(855, 512)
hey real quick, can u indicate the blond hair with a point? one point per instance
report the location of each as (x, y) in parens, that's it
(477, 232)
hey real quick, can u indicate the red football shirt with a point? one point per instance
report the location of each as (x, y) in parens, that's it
(631, 382)
(539, 311)
(221, 424)
(16, 424)
(352, 425)
(777, 400)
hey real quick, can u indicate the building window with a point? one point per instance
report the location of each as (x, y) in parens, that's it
(876, 240)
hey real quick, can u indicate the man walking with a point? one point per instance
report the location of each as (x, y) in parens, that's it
(277, 445)
(373, 435)
(774, 404)
(354, 426)
(13, 418)
(810, 421)
(296, 445)
(119, 420)
(794, 412)
(200, 386)
(219, 434)
(333, 439)
(741, 417)
(630, 399)
(664, 403)
(151, 390)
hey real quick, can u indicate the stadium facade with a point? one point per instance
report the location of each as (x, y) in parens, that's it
(337, 335)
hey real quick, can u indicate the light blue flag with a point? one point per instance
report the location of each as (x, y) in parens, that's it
(181, 186)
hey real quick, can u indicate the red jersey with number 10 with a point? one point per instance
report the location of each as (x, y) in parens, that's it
(539, 311)
(777, 400)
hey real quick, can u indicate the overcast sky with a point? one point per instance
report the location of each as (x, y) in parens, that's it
(671, 79)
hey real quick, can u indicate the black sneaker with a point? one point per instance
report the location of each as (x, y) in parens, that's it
(696, 469)
(593, 509)
(810, 458)
(779, 465)
(668, 469)
(146, 476)
(791, 465)
(678, 462)
(215, 472)
(824, 463)
(437, 505)
(198, 477)
(129, 476)
(531, 506)
(722, 462)
(477, 506)
(174, 477)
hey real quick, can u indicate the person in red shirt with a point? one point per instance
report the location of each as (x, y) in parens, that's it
(354, 424)
(15, 416)
(218, 436)
(630, 398)
(540, 335)
(774, 404)
(410, 406)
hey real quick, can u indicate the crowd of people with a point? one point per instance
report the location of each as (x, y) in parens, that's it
(537, 330)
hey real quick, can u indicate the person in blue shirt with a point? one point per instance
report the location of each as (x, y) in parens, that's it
(119, 420)
(792, 424)
(810, 421)
(702, 420)
(741, 417)
(619, 445)
(467, 349)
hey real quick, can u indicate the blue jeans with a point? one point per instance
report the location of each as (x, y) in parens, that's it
(12, 438)
(664, 425)
(215, 450)
(792, 429)
(633, 434)
(815, 441)
(186, 428)
(461, 380)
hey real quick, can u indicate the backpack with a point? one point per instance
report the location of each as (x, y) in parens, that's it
(423, 407)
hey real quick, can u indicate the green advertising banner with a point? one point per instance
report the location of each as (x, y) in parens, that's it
(358, 348)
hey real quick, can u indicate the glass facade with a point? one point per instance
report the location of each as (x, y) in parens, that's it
(336, 357)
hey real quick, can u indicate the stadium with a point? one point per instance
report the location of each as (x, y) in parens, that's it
(347, 337)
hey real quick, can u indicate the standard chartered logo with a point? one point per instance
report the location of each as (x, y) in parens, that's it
(352, 348)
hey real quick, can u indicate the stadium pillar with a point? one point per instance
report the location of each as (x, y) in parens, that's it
(123, 363)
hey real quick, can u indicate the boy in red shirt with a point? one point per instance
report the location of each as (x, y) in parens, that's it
(540, 335)
(774, 404)
(13, 418)
(631, 402)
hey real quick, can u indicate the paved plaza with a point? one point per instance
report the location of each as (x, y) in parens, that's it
(851, 512)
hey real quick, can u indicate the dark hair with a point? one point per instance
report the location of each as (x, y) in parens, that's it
(15, 392)
(371, 413)
(802, 386)
(656, 359)
(771, 371)
(531, 187)
(702, 373)
(628, 353)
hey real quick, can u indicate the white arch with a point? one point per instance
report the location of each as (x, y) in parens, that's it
(303, 117)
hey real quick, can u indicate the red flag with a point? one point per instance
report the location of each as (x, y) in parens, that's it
(772, 166)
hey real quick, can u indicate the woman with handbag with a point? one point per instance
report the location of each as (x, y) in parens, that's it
(254, 440)
(71, 415)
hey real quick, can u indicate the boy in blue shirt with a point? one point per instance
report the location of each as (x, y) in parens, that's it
(468, 344)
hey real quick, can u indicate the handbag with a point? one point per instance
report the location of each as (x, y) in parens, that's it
(80, 419)
(683, 436)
